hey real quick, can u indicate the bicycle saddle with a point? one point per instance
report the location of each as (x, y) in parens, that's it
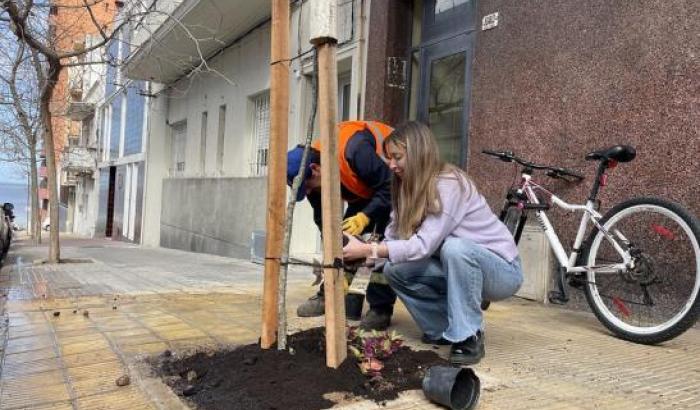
(619, 153)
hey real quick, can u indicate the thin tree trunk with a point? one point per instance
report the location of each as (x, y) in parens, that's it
(32, 137)
(33, 190)
(46, 97)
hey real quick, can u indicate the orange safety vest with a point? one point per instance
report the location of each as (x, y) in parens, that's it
(345, 131)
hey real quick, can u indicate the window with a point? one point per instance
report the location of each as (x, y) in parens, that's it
(446, 104)
(261, 133)
(133, 132)
(178, 147)
(106, 129)
(344, 97)
(86, 131)
(220, 139)
(446, 18)
(112, 64)
(203, 145)
(442, 6)
(115, 131)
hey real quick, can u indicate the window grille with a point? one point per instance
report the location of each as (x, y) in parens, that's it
(178, 148)
(261, 134)
(221, 133)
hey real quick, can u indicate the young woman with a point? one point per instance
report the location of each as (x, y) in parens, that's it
(446, 249)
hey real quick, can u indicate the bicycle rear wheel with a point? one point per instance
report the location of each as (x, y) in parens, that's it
(657, 298)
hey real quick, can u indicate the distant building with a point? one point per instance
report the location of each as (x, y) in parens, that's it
(73, 28)
(103, 162)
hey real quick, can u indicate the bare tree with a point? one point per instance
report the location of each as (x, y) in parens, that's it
(54, 47)
(19, 119)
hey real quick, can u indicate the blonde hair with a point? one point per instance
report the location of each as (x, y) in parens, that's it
(415, 194)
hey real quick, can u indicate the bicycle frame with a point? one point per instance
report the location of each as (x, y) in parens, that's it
(590, 215)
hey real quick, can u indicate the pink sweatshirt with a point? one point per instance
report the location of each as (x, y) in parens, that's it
(465, 214)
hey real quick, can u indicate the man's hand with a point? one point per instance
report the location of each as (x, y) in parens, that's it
(355, 225)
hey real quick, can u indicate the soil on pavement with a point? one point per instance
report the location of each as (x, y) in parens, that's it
(251, 378)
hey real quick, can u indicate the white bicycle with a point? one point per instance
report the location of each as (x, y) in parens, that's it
(639, 266)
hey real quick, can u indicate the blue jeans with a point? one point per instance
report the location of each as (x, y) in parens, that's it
(443, 293)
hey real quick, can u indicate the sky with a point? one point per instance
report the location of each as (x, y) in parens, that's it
(10, 173)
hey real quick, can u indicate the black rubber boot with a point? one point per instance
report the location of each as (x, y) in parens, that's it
(376, 320)
(314, 306)
(353, 306)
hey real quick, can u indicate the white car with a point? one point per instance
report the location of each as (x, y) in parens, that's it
(46, 224)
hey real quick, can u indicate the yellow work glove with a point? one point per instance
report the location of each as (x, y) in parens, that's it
(354, 225)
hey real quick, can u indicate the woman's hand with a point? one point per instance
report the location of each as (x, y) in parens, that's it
(356, 249)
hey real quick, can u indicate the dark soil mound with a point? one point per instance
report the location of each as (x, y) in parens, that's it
(251, 378)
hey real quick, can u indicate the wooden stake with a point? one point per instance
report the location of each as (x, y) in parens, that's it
(336, 344)
(277, 167)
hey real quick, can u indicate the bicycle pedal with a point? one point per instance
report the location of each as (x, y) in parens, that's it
(558, 298)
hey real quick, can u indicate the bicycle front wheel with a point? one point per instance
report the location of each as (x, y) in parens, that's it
(655, 298)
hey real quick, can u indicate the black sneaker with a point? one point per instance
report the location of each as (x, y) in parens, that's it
(375, 320)
(430, 341)
(468, 352)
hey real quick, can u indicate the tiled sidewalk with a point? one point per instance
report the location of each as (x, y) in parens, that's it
(140, 302)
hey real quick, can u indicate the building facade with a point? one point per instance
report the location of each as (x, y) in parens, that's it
(209, 123)
(550, 80)
(73, 28)
(122, 128)
(103, 164)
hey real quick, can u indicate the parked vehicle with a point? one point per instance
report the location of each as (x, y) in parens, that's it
(7, 218)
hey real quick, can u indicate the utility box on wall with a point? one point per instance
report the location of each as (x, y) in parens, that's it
(536, 256)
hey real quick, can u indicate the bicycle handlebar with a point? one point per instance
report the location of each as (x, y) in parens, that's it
(552, 172)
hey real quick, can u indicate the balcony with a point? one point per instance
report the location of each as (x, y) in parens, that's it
(69, 178)
(77, 109)
(170, 52)
(79, 160)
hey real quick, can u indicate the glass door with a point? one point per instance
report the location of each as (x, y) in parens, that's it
(445, 87)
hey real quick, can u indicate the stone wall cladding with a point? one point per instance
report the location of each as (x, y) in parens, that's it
(558, 78)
